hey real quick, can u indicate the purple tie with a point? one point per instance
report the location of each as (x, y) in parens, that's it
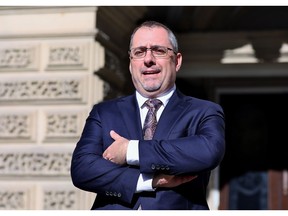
(150, 121)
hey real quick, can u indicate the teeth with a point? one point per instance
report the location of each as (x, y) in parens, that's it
(150, 72)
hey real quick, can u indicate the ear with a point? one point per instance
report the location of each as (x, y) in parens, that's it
(178, 61)
(130, 68)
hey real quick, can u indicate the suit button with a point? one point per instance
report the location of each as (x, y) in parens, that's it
(111, 193)
(119, 194)
(153, 167)
(115, 194)
(107, 193)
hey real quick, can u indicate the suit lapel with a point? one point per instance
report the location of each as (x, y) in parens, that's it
(170, 115)
(130, 113)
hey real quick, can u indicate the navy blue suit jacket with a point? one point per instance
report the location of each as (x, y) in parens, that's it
(189, 139)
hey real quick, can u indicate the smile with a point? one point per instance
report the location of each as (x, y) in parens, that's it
(151, 72)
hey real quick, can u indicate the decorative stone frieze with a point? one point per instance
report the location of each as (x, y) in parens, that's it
(17, 57)
(44, 89)
(35, 161)
(45, 195)
(64, 124)
(64, 196)
(12, 197)
(60, 199)
(16, 126)
(68, 56)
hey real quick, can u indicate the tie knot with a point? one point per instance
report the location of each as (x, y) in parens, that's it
(153, 103)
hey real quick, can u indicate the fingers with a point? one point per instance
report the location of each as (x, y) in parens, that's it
(188, 178)
(169, 181)
(105, 155)
(113, 152)
(114, 135)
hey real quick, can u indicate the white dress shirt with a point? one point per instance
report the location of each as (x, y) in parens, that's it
(132, 157)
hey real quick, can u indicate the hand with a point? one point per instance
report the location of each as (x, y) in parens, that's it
(169, 181)
(116, 152)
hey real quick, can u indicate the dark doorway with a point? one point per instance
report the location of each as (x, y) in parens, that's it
(256, 149)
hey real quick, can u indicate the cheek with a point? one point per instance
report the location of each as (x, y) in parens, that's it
(134, 68)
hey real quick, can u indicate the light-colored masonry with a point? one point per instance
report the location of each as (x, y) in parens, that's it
(47, 87)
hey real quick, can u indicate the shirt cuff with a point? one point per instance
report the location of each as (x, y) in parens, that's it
(144, 183)
(132, 156)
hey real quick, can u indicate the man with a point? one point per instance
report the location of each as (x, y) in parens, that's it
(131, 169)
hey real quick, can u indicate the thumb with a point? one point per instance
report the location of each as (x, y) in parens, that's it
(114, 135)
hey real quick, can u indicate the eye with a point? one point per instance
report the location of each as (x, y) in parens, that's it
(159, 50)
(138, 52)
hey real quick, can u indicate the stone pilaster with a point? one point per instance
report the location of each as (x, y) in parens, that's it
(48, 56)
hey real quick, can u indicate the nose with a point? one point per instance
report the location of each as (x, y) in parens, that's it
(149, 57)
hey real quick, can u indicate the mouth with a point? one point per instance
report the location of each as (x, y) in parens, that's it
(150, 72)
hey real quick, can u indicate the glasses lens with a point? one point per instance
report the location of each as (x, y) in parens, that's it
(159, 51)
(139, 52)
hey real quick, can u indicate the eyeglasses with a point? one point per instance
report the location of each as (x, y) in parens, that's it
(157, 52)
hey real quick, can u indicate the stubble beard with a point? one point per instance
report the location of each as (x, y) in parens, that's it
(151, 87)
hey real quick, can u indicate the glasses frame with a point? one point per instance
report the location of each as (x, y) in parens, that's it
(151, 49)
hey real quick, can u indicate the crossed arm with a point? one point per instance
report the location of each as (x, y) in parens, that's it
(117, 151)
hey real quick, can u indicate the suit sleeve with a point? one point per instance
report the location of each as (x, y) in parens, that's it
(195, 144)
(91, 172)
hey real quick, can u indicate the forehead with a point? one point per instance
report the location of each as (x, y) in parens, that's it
(150, 36)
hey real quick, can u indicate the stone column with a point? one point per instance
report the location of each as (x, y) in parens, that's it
(48, 56)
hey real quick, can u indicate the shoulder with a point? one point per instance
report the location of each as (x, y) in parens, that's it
(196, 102)
(113, 102)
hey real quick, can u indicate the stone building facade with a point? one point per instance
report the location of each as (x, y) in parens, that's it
(47, 87)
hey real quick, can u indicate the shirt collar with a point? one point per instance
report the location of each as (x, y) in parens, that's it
(164, 97)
